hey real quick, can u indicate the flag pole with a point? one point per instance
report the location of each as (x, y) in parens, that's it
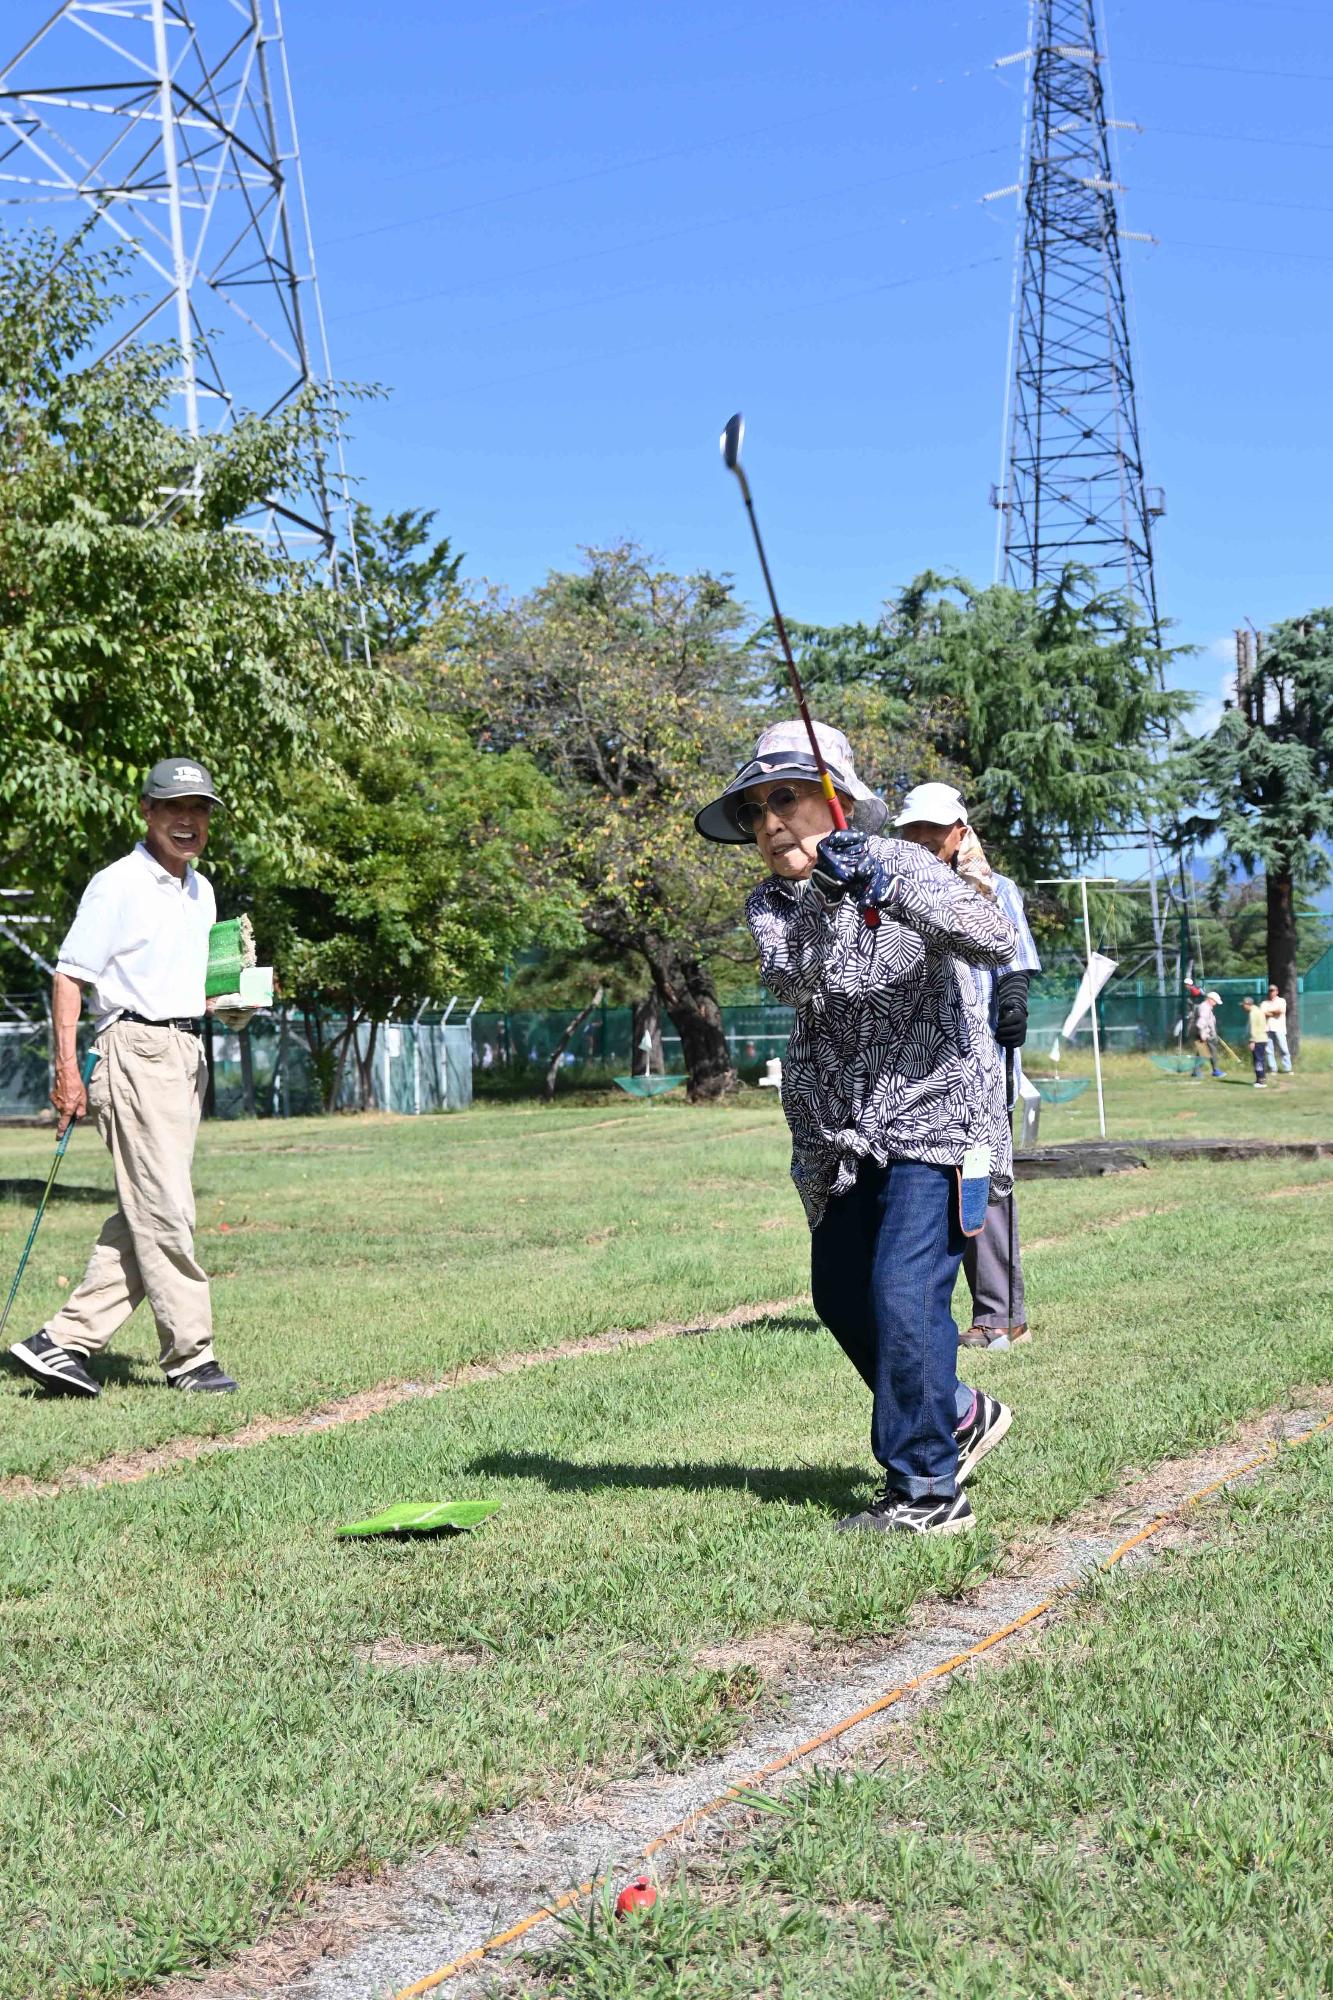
(1096, 1035)
(1067, 881)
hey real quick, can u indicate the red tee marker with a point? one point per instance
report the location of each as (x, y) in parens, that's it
(636, 1895)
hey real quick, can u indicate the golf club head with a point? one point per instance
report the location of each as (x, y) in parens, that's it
(731, 441)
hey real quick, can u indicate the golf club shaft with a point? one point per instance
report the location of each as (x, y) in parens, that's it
(1009, 1113)
(798, 692)
(62, 1143)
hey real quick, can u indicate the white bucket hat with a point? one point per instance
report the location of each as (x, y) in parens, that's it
(783, 751)
(935, 804)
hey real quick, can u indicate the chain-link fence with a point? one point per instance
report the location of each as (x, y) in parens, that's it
(290, 1063)
(518, 1047)
(284, 1065)
(25, 1053)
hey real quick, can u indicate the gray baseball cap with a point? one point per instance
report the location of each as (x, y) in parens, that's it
(180, 778)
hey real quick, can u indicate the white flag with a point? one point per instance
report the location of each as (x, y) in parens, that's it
(1098, 971)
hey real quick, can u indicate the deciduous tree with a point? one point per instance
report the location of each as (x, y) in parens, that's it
(634, 690)
(423, 879)
(134, 618)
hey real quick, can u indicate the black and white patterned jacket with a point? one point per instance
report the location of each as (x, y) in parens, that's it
(891, 1056)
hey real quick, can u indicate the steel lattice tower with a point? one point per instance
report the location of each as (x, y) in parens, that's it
(168, 126)
(1074, 488)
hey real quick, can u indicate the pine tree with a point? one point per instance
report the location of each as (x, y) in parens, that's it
(1262, 781)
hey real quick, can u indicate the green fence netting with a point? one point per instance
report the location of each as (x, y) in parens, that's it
(1130, 1018)
(432, 1065)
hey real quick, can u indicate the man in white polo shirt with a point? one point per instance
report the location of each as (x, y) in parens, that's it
(140, 943)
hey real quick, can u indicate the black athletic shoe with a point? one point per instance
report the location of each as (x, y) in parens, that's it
(893, 1513)
(59, 1370)
(207, 1376)
(989, 1425)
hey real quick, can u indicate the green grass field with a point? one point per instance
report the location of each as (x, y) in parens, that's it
(193, 1732)
(1143, 1805)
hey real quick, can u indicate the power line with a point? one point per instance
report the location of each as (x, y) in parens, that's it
(727, 139)
(1240, 200)
(821, 305)
(1228, 69)
(1249, 250)
(671, 279)
(663, 236)
(1242, 138)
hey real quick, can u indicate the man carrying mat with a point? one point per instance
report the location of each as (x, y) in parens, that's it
(140, 943)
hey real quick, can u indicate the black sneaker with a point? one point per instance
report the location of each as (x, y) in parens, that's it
(990, 1423)
(57, 1369)
(207, 1376)
(894, 1513)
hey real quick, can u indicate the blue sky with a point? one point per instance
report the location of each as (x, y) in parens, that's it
(572, 238)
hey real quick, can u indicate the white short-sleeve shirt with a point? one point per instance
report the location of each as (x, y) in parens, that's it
(140, 940)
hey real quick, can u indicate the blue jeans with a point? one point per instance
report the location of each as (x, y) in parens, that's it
(883, 1262)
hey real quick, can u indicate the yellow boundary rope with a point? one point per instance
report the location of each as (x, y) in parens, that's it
(830, 1735)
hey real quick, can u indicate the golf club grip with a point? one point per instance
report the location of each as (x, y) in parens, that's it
(89, 1064)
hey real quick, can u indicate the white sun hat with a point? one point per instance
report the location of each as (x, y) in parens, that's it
(783, 751)
(935, 804)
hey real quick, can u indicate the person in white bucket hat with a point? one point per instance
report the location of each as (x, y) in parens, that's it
(935, 816)
(891, 1087)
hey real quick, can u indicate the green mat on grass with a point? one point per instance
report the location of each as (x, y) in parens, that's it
(413, 1517)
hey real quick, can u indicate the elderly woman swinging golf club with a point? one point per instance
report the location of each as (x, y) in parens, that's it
(891, 1089)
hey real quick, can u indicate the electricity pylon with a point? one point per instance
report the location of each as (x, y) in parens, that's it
(168, 126)
(1074, 488)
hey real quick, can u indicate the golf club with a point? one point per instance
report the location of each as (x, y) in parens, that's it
(1009, 1114)
(732, 438)
(89, 1063)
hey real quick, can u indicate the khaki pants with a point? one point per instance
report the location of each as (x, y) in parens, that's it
(147, 1093)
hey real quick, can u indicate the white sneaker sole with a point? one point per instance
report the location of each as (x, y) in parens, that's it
(960, 1527)
(997, 1433)
(43, 1372)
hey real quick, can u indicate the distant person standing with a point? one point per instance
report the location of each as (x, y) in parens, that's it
(1205, 1029)
(934, 816)
(1275, 1013)
(1258, 1033)
(140, 943)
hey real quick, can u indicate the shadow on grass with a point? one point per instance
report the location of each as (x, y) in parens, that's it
(31, 1191)
(834, 1486)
